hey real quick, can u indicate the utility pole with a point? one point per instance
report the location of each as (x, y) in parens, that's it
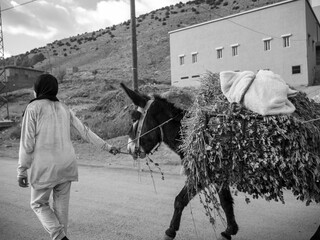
(134, 46)
(3, 79)
(49, 61)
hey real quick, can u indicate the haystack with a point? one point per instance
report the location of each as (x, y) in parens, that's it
(227, 144)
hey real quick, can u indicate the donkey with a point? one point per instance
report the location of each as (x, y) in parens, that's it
(157, 120)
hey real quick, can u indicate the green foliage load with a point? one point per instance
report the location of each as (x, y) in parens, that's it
(227, 144)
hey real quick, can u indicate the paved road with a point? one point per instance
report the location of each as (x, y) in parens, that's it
(113, 204)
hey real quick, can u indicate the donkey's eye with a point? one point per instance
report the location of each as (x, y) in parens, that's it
(135, 115)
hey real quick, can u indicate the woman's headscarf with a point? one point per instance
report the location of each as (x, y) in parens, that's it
(45, 87)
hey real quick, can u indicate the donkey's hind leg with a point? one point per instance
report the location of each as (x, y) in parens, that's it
(226, 201)
(316, 236)
(181, 201)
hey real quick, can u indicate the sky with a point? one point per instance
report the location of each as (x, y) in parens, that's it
(31, 24)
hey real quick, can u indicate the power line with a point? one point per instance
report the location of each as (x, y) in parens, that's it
(19, 5)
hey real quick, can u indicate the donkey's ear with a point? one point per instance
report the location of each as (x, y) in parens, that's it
(137, 98)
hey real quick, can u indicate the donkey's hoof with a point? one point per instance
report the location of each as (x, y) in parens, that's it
(225, 236)
(170, 234)
(231, 230)
(166, 237)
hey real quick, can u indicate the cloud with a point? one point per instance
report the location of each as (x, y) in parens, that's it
(153, 5)
(14, 4)
(44, 20)
(67, 1)
(315, 3)
(62, 8)
(46, 34)
(106, 13)
(7, 54)
(48, 20)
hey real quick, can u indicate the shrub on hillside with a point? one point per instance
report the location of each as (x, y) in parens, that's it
(37, 58)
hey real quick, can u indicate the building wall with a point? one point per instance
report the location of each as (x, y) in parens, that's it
(19, 78)
(72, 70)
(248, 30)
(312, 35)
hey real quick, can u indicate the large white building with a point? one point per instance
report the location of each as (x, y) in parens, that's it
(281, 37)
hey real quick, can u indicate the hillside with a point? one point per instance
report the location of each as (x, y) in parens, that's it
(104, 60)
(107, 52)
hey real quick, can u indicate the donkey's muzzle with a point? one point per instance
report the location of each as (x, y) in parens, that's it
(135, 151)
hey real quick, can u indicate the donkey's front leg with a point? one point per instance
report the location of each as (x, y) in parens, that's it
(181, 201)
(226, 201)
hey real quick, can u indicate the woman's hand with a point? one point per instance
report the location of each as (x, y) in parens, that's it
(114, 150)
(23, 182)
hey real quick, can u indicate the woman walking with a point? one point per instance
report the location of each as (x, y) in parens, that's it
(47, 151)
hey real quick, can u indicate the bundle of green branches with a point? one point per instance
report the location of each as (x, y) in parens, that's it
(227, 144)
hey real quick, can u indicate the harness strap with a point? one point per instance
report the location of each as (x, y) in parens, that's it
(143, 112)
(159, 143)
(159, 126)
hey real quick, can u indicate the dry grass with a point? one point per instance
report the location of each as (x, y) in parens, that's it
(110, 52)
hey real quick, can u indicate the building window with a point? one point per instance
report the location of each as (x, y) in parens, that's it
(234, 49)
(286, 42)
(181, 59)
(317, 55)
(296, 69)
(219, 52)
(286, 39)
(194, 57)
(267, 44)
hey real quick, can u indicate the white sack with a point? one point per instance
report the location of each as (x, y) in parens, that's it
(267, 94)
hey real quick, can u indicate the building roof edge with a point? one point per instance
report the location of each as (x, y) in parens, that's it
(234, 15)
(24, 68)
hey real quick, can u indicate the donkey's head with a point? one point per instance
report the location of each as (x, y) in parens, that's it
(151, 117)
